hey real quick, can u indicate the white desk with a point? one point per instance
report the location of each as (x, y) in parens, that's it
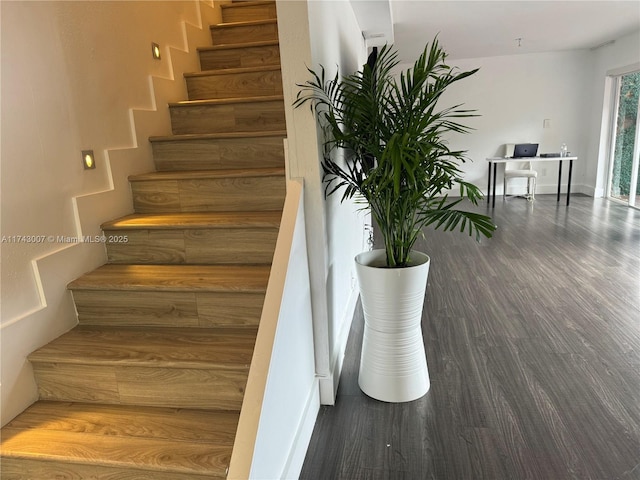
(491, 192)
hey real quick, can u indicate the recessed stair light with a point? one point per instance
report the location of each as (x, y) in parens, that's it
(155, 50)
(88, 160)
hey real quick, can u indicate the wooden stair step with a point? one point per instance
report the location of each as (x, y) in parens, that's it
(247, 11)
(205, 296)
(208, 220)
(53, 440)
(211, 190)
(239, 55)
(234, 82)
(242, 32)
(223, 348)
(194, 238)
(146, 366)
(176, 278)
(218, 151)
(168, 309)
(247, 114)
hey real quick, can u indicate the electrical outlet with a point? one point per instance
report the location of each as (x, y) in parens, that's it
(546, 123)
(544, 172)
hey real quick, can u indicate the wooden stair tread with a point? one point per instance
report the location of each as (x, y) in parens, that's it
(224, 348)
(216, 136)
(202, 174)
(246, 3)
(231, 46)
(224, 101)
(176, 278)
(72, 441)
(135, 453)
(246, 23)
(266, 219)
(232, 71)
(160, 423)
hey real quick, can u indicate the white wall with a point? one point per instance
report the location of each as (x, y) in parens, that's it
(314, 33)
(337, 43)
(76, 76)
(291, 396)
(513, 96)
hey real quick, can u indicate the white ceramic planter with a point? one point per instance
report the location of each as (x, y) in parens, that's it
(393, 366)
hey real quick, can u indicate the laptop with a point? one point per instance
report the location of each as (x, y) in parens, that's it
(525, 150)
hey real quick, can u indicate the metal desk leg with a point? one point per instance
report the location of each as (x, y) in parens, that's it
(489, 185)
(559, 179)
(569, 181)
(495, 166)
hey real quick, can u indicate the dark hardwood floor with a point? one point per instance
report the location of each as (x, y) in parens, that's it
(533, 347)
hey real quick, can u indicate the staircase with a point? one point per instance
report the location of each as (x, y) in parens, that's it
(149, 385)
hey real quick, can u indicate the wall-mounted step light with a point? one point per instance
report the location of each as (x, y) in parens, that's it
(155, 50)
(88, 160)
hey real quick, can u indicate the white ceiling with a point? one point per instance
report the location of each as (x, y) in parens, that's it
(480, 28)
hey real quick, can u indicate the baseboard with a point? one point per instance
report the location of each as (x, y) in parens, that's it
(550, 189)
(329, 384)
(294, 463)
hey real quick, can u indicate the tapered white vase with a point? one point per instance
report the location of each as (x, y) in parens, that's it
(393, 365)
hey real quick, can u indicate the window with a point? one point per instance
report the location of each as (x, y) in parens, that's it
(624, 172)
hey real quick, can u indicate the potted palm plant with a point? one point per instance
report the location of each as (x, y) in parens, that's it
(383, 146)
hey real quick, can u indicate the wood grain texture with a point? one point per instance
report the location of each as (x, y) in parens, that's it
(203, 426)
(241, 55)
(224, 348)
(251, 190)
(183, 388)
(235, 246)
(16, 468)
(146, 366)
(242, 32)
(117, 307)
(209, 152)
(167, 309)
(533, 347)
(42, 469)
(248, 11)
(199, 246)
(195, 221)
(116, 451)
(234, 83)
(151, 386)
(175, 278)
(146, 247)
(234, 309)
(256, 114)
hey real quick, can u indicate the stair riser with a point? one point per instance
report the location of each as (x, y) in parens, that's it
(235, 85)
(21, 469)
(239, 57)
(263, 32)
(227, 118)
(150, 386)
(168, 309)
(241, 13)
(215, 154)
(209, 195)
(200, 246)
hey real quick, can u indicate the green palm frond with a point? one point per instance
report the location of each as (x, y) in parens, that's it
(389, 131)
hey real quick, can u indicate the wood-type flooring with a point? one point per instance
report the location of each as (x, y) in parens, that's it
(533, 348)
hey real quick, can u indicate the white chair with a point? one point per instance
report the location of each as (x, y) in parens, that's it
(519, 170)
